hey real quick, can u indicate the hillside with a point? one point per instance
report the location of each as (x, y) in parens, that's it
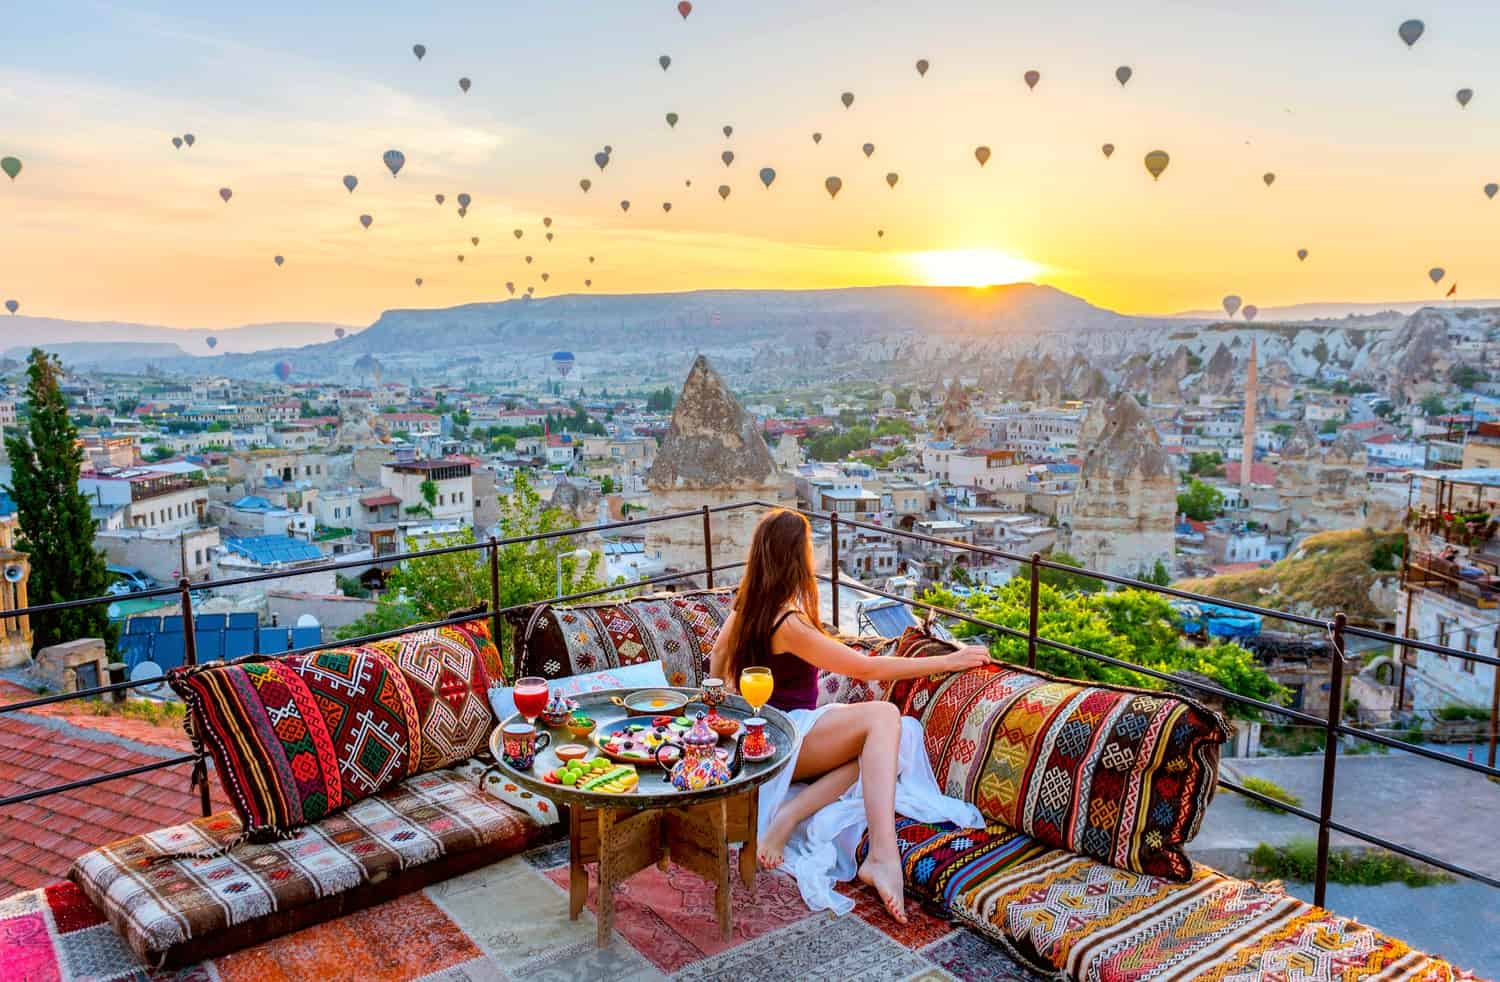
(1332, 571)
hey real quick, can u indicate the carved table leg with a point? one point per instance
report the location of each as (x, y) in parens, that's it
(629, 841)
(722, 892)
(749, 862)
(578, 877)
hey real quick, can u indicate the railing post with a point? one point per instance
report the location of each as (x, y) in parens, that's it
(1330, 752)
(708, 547)
(1036, 584)
(190, 657)
(833, 535)
(495, 633)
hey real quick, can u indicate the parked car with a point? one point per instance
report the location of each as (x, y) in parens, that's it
(128, 580)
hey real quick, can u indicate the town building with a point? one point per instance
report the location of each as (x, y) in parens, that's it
(141, 498)
(441, 491)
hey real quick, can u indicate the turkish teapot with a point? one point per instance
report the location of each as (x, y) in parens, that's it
(698, 765)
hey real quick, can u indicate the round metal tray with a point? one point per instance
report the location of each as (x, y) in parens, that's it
(655, 789)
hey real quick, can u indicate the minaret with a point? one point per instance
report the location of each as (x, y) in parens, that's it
(1248, 452)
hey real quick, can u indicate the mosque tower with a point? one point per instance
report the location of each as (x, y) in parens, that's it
(1247, 459)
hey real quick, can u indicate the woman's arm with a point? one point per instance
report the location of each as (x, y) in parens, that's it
(718, 661)
(799, 637)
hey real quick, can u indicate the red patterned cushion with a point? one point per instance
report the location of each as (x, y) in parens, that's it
(446, 668)
(1121, 775)
(299, 737)
(835, 688)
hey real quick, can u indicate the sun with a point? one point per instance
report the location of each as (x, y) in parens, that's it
(973, 267)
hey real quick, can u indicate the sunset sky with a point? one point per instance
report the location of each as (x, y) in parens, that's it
(1379, 171)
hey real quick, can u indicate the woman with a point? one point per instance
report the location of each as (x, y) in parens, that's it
(855, 763)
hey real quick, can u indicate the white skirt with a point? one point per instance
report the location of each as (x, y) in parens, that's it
(820, 852)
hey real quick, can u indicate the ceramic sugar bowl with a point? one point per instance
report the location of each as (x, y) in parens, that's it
(698, 765)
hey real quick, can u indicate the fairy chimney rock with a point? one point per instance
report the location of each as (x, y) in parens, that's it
(1126, 506)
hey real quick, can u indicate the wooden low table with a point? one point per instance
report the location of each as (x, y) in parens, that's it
(656, 823)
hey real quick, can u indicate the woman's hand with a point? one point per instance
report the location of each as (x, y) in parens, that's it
(965, 658)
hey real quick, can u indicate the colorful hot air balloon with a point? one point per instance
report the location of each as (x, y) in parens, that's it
(419, 281)
(462, 211)
(1463, 96)
(891, 179)
(177, 142)
(817, 138)
(982, 154)
(12, 305)
(922, 65)
(339, 333)
(464, 199)
(460, 257)
(474, 240)
(672, 119)
(563, 362)
(665, 61)
(1031, 78)
(278, 260)
(366, 220)
(684, 8)
(283, 370)
(585, 183)
(225, 194)
(350, 183)
(394, 161)
(869, 150)
(625, 205)
(546, 277)
(588, 282)
(1436, 274)
(546, 221)
(767, 175)
(464, 84)
(666, 206)
(1269, 178)
(528, 260)
(439, 198)
(1123, 73)
(1250, 310)
(1108, 149)
(1490, 190)
(189, 139)
(548, 236)
(727, 156)
(510, 287)
(728, 131)
(724, 192)
(847, 99)
(833, 186)
(601, 159)
(1301, 255)
(212, 342)
(1156, 162)
(1410, 31)
(517, 233)
(419, 50)
(1231, 304)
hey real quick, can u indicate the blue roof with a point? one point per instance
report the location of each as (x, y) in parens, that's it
(7, 505)
(269, 550)
(254, 502)
(1063, 468)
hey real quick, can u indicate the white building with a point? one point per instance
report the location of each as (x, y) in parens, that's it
(987, 469)
(142, 498)
(452, 484)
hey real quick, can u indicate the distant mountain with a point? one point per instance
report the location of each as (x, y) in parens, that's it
(1332, 310)
(122, 356)
(27, 332)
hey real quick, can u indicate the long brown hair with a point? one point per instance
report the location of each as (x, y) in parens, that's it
(778, 572)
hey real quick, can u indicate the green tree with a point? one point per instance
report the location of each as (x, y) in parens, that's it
(305, 410)
(1210, 464)
(1068, 582)
(606, 485)
(661, 400)
(56, 525)
(1159, 575)
(429, 491)
(1201, 502)
(1432, 405)
(158, 452)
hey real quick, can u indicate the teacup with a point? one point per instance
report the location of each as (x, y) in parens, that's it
(756, 743)
(519, 743)
(713, 696)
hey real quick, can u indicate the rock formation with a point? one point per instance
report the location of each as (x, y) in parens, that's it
(1322, 489)
(1126, 506)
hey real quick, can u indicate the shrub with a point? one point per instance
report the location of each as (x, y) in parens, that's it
(1455, 713)
(1270, 789)
(1298, 860)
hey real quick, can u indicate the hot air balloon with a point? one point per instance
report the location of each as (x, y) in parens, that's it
(982, 154)
(880, 233)
(585, 183)
(365, 220)
(823, 338)
(847, 99)
(1490, 190)
(727, 156)
(464, 84)
(510, 287)
(462, 211)
(1269, 178)
(463, 200)
(211, 341)
(833, 186)
(666, 206)
(724, 192)
(601, 159)
(283, 370)
(665, 61)
(1123, 73)
(684, 8)
(563, 361)
(529, 291)
(1231, 304)
(817, 138)
(922, 66)
(1411, 31)
(688, 183)
(12, 305)
(1156, 162)
(546, 222)
(1302, 255)
(1032, 77)
(1436, 274)
(549, 236)
(528, 260)
(474, 240)
(1250, 310)
(767, 175)
(517, 233)
(419, 281)
(225, 194)
(394, 161)
(588, 282)
(177, 142)
(608, 148)
(339, 333)
(869, 150)
(419, 50)
(439, 198)
(728, 132)
(350, 182)
(1463, 96)
(672, 119)
(625, 205)
(189, 139)
(546, 277)
(1109, 149)
(891, 179)
(460, 257)
(278, 260)
(591, 259)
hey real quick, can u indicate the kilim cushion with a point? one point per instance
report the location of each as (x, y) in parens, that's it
(842, 689)
(941, 860)
(676, 629)
(1122, 775)
(169, 906)
(299, 737)
(447, 671)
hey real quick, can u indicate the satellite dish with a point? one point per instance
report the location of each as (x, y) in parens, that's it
(147, 670)
(307, 620)
(15, 573)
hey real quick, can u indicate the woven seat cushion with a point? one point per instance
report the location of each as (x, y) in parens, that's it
(448, 671)
(940, 860)
(676, 629)
(183, 909)
(299, 737)
(835, 688)
(1122, 775)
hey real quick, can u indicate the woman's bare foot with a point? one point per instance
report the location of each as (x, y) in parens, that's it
(885, 878)
(771, 845)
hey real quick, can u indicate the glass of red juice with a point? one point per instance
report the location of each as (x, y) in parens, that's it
(531, 697)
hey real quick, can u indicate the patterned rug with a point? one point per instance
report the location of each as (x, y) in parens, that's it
(509, 921)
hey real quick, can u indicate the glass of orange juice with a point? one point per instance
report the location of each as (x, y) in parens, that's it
(756, 684)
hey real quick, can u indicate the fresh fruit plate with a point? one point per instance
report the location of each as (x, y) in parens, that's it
(634, 740)
(598, 775)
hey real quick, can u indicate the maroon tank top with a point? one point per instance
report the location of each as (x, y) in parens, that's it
(796, 680)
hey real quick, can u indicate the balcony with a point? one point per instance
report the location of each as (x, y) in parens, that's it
(61, 796)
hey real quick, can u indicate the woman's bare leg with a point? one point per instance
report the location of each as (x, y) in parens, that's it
(792, 813)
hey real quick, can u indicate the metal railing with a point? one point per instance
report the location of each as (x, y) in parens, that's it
(1332, 724)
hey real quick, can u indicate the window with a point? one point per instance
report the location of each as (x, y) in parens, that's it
(1443, 627)
(197, 557)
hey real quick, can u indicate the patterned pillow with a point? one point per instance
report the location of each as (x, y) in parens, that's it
(447, 670)
(299, 737)
(1121, 775)
(833, 687)
(676, 629)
